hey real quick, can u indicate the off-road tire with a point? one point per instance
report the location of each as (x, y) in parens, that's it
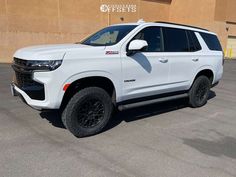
(89, 106)
(199, 92)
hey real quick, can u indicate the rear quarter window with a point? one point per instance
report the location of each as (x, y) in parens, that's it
(212, 41)
(194, 44)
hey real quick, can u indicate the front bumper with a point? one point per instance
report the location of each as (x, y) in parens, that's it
(36, 104)
(40, 90)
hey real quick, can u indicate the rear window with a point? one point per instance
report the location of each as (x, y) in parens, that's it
(212, 41)
(175, 40)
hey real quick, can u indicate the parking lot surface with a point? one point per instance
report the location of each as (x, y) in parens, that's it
(164, 140)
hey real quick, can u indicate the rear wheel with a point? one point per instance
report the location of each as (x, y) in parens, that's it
(88, 112)
(199, 91)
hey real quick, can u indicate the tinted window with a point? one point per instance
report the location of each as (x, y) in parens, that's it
(109, 36)
(153, 37)
(194, 44)
(211, 41)
(175, 40)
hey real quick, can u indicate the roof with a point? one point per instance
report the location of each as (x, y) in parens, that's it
(168, 24)
(181, 25)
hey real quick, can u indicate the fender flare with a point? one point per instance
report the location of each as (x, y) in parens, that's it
(205, 67)
(81, 75)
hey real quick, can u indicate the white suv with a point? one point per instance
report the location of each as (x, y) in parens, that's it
(121, 66)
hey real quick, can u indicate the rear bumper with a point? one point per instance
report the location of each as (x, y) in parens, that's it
(218, 75)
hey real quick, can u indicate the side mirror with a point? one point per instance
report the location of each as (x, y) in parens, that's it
(135, 46)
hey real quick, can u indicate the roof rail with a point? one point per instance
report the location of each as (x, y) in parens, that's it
(181, 25)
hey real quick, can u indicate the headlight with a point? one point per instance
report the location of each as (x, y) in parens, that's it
(49, 65)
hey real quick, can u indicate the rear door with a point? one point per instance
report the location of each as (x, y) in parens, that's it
(181, 48)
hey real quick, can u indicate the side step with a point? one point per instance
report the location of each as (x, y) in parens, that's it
(158, 100)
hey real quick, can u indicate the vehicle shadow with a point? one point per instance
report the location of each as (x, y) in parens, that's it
(149, 111)
(143, 61)
(54, 116)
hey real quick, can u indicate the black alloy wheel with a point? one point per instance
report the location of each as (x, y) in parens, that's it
(198, 94)
(88, 112)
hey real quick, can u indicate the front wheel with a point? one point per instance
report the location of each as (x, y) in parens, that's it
(199, 92)
(88, 112)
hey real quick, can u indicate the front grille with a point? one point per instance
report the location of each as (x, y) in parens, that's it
(20, 62)
(23, 79)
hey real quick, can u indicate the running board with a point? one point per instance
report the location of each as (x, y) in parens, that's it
(148, 102)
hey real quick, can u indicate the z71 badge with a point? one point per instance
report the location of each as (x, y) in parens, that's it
(112, 52)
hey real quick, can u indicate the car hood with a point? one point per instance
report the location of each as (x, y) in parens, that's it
(48, 52)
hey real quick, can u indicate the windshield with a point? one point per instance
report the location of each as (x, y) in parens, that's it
(108, 36)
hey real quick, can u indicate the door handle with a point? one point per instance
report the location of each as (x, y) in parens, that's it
(195, 59)
(163, 60)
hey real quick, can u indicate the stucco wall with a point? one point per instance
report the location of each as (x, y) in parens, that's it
(225, 14)
(208, 14)
(30, 22)
(25, 22)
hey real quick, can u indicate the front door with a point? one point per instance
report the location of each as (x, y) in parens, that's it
(146, 73)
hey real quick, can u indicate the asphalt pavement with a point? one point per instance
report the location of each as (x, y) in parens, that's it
(161, 140)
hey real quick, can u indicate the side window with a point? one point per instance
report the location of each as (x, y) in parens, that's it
(212, 41)
(153, 37)
(175, 40)
(194, 44)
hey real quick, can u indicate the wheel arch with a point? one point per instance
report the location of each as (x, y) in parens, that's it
(208, 72)
(78, 83)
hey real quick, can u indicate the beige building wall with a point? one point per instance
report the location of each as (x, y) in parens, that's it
(31, 22)
(24, 22)
(214, 15)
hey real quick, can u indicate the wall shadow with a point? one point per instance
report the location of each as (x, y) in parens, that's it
(224, 146)
(144, 112)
